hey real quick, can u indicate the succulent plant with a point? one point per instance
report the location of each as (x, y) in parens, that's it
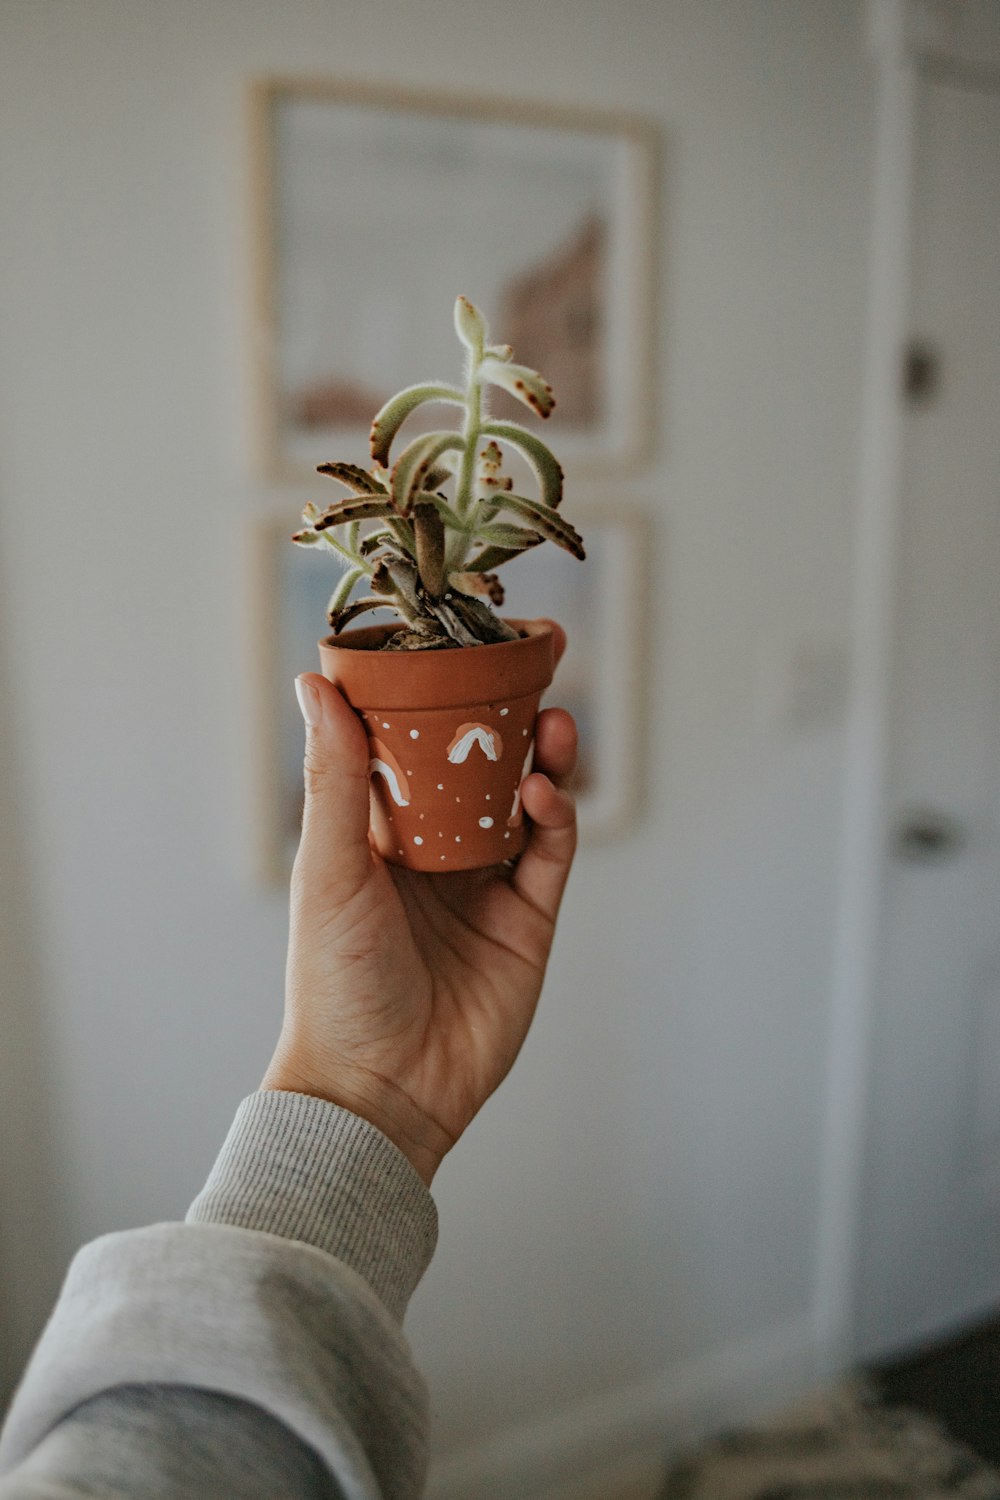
(431, 559)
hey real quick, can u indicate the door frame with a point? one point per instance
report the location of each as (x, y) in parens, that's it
(908, 42)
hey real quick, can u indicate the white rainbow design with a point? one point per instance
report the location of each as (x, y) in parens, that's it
(383, 763)
(467, 735)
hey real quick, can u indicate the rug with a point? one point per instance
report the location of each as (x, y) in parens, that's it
(843, 1445)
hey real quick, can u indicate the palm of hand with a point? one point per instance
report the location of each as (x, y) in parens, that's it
(408, 994)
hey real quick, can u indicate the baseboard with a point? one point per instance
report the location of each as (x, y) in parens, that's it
(608, 1443)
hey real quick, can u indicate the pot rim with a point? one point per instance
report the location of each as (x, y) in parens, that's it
(439, 679)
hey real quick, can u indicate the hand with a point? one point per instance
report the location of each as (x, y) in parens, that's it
(408, 995)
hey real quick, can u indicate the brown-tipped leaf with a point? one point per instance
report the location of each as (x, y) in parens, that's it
(524, 384)
(554, 527)
(494, 556)
(354, 509)
(544, 462)
(506, 534)
(394, 413)
(418, 460)
(486, 584)
(341, 594)
(353, 477)
(359, 607)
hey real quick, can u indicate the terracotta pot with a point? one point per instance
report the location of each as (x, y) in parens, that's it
(451, 736)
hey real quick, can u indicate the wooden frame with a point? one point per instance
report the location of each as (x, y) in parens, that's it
(601, 603)
(352, 305)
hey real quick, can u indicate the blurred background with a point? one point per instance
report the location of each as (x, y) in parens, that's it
(753, 1137)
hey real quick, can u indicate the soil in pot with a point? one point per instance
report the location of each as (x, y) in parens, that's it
(451, 738)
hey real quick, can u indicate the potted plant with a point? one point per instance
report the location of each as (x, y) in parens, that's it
(448, 693)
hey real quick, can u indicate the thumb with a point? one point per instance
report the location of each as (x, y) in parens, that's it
(334, 856)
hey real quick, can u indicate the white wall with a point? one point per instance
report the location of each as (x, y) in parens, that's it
(634, 1215)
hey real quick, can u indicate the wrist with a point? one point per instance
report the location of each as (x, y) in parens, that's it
(382, 1103)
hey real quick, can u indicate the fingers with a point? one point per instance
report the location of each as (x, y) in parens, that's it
(555, 744)
(334, 855)
(541, 872)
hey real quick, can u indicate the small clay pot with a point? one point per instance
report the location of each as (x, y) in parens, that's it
(451, 736)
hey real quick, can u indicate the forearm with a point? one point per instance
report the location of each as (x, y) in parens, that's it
(282, 1291)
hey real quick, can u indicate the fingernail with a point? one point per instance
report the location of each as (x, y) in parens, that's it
(309, 702)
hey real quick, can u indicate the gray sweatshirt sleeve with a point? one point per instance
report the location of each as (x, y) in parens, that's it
(254, 1350)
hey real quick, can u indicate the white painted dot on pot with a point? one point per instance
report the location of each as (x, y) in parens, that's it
(440, 786)
(442, 856)
(504, 711)
(506, 835)
(458, 799)
(486, 822)
(523, 731)
(458, 838)
(421, 817)
(488, 797)
(414, 734)
(385, 725)
(417, 839)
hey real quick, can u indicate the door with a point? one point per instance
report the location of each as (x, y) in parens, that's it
(930, 1251)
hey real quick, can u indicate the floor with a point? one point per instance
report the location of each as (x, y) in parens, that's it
(957, 1381)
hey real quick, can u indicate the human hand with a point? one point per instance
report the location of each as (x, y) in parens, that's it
(408, 995)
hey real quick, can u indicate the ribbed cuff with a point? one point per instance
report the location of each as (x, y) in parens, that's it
(308, 1170)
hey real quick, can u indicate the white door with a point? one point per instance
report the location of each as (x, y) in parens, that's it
(930, 1252)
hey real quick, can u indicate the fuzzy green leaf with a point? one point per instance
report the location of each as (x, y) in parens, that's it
(490, 459)
(476, 581)
(494, 557)
(356, 508)
(359, 607)
(306, 538)
(374, 540)
(505, 534)
(394, 413)
(417, 461)
(343, 591)
(526, 385)
(437, 477)
(470, 325)
(542, 459)
(554, 527)
(353, 477)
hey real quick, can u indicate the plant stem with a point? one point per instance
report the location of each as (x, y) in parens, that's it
(470, 435)
(354, 558)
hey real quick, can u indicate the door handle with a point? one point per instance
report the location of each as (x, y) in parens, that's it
(925, 833)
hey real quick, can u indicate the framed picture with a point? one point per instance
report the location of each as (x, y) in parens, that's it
(600, 603)
(374, 209)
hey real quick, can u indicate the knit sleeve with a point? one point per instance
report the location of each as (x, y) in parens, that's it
(283, 1291)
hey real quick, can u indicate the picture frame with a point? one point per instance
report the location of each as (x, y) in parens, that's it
(600, 604)
(373, 208)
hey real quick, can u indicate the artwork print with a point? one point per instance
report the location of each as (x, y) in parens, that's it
(377, 209)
